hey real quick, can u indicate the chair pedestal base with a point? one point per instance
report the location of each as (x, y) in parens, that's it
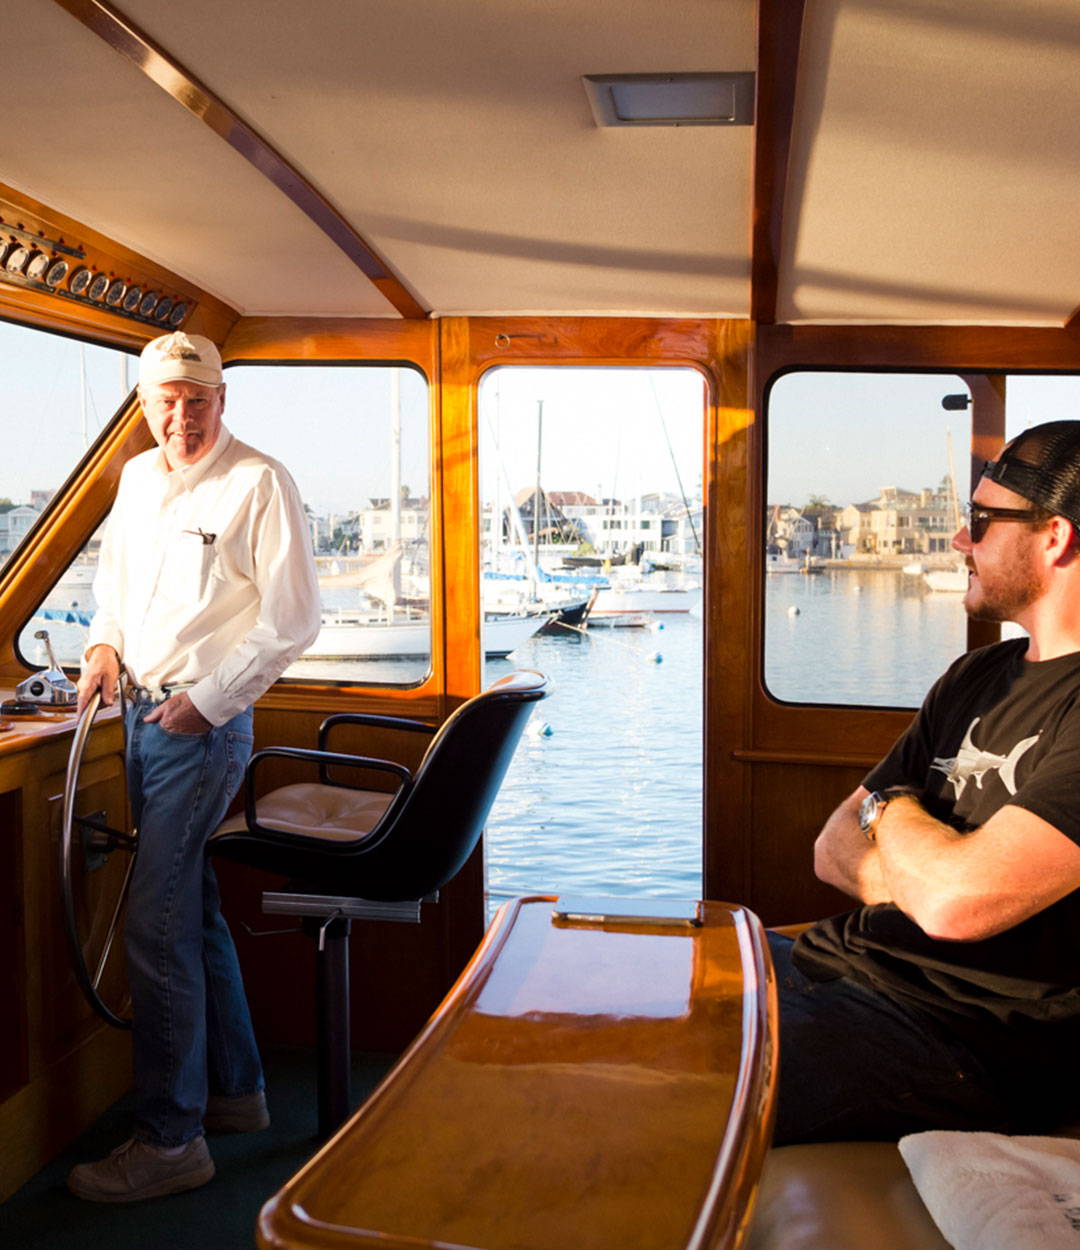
(328, 921)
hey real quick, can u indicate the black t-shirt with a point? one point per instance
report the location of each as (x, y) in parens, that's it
(995, 729)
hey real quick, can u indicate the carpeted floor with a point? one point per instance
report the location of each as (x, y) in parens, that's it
(220, 1215)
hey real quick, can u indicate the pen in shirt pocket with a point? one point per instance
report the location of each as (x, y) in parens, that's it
(207, 539)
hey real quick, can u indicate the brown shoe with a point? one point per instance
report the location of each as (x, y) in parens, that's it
(244, 1113)
(137, 1170)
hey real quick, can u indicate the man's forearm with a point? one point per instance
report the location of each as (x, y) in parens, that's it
(844, 858)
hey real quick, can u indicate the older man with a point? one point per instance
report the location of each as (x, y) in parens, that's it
(951, 998)
(206, 592)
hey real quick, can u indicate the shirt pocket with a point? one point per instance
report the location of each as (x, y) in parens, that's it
(185, 572)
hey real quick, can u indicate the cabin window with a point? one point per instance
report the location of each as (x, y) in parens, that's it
(356, 439)
(58, 395)
(590, 492)
(866, 475)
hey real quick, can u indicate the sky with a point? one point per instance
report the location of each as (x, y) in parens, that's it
(845, 435)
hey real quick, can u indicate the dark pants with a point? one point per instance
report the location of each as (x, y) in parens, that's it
(855, 1065)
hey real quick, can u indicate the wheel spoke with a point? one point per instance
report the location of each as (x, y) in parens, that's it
(74, 864)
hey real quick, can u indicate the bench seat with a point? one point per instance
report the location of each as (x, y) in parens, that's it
(840, 1196)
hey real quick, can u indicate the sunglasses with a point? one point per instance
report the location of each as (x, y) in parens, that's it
(979, 518)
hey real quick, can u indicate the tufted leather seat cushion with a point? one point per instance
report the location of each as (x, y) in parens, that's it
(317, 811)
(840, 1196)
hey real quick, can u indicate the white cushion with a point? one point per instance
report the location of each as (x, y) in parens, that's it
(332, 813)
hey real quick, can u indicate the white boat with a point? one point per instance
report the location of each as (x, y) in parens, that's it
(346, 636)
(915, 569)
(954, 580)
(788, 564)
(657, 600)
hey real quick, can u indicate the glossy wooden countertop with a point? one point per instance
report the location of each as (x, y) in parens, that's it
(586, 1085)
(18, 733)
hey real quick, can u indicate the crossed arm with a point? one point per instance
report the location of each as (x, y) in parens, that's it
(958, 887)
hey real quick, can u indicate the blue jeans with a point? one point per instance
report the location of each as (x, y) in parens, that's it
(192, 1030)
(856, 1065)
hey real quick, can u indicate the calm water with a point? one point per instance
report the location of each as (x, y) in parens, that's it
(609, 801)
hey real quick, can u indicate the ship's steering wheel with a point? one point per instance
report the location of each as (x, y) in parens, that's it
(96, 863)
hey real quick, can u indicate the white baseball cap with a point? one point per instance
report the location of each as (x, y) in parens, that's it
(180, 357)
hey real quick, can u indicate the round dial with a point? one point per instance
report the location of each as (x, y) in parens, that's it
(39, 262)
(99, 286)
(149, 303)
(17, 258)
(56, 272)
(131, 299)
(115, 294)
(164, 308)
(80, 280)
(178, 314)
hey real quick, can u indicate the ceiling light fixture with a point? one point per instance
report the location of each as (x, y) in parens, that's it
(720, 99)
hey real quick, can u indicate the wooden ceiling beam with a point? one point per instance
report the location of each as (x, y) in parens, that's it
(780, 25)
(167, 73)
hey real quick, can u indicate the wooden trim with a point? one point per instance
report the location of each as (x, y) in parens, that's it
(123, 36)
(747, 755)
(780, 25)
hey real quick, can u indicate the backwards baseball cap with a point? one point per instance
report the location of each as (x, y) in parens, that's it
(180, 357)
(1043, 465)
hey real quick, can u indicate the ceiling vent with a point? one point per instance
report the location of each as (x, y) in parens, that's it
(671, 99)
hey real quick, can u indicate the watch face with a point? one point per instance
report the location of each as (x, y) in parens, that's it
(149, 303)
(17, 258)
(178, 314)
(115, 293)
(80, 280)
(164, 308)
(869, 810)
(39, 262)
(56, 272)
(98, 287)
(131, 299)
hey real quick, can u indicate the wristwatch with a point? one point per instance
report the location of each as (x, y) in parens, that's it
(875, 803)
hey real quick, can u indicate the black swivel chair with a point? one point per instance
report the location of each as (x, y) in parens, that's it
(355, 853)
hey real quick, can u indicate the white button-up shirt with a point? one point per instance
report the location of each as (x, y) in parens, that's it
(206, 576)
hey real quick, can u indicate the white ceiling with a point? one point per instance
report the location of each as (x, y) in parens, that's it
(935, 149)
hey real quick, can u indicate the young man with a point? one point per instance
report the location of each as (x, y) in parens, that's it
(206, 592)
(951, 998)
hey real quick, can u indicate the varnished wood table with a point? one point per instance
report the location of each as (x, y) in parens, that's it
(592, 1082)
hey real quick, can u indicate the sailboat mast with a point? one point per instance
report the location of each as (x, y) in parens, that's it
(395, 481)
(538, 495)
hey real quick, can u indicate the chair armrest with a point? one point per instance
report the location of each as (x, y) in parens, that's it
(372, 720)
(325, 759)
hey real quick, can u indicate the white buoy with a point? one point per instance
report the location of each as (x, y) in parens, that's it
(856, 590)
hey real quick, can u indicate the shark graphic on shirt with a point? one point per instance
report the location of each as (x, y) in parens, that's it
(972, 764)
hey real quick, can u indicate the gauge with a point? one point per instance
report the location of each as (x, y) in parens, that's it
(115, 294)
(178, 314)
(131, 299)
(80, 280)
(149, 303)
(17, 258)
(163, 309)
(39, 262)
(98, 287)
(56, 272)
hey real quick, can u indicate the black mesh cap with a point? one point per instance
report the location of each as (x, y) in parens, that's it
(1043, 465)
